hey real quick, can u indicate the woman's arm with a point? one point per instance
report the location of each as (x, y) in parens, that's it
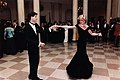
(65, 26)
(53, 27)
(91, 33)
(57, 26)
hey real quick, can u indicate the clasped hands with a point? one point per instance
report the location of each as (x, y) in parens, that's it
(54, 27)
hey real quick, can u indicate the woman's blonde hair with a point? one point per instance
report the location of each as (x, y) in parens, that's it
(81, 17)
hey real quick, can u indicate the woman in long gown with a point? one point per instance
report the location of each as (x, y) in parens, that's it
(80, 67)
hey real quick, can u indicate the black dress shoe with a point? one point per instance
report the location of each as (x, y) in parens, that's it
(37, 78)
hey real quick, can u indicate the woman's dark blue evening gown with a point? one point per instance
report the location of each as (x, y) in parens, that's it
(80, 67)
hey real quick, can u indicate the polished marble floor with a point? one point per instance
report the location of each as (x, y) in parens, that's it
(55, 58)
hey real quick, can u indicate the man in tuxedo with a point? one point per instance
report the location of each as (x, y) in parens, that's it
(104, 30)
(31, 32)
(98, 30)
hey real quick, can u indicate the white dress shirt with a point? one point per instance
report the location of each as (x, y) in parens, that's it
(104, 25)
(98, 26)
(34, 28)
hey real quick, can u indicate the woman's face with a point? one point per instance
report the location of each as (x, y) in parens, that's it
(82, 21)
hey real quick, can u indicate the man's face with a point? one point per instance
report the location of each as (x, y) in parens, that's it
(34, 18)
(14, 24)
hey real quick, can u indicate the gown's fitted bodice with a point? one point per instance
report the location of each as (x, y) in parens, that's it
(83, 37)
(83, 34)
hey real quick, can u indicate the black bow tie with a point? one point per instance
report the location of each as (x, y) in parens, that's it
(32, 23)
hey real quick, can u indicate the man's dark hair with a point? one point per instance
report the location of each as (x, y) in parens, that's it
(31, 14)
(8, 24)
(15, 21)
(22, 24)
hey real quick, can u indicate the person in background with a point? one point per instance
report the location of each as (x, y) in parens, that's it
(117, 34)
(111, 32)
(92, 28)
(17, 35)
(44, 35)
(9, 39)
(22, 45)
(70, 32)
(98, 30)
(104, 31)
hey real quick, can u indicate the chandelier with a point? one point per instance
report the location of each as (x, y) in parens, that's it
(3, 4)
(80, 8)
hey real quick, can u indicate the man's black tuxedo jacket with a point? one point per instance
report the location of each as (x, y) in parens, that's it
(32, 38)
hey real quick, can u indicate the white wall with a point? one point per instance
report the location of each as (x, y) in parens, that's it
(64, 7)
(46, 11)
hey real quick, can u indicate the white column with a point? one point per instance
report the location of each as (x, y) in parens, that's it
(21, 13)
(108, 14)
(115, 8)
(56, 14)
(85, 8)
(52, 11)
(118, 8)
(36, 8)
(75, 14)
